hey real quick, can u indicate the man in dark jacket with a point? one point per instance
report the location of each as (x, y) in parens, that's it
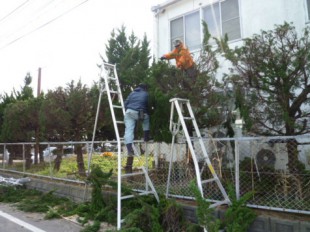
(136, 106)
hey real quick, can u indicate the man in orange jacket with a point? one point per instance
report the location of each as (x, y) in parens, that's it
(183, 58)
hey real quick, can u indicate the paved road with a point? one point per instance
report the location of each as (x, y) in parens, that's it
(13, 220)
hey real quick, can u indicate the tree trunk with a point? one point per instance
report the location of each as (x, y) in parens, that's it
(58, 162)
(292, 153)
(80, 160)
(28, 159)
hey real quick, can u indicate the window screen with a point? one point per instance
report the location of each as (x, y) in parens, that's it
(308, 6)
(230, 19)
(192, 31)
(211, 15)
(223, 18)
(176, 30)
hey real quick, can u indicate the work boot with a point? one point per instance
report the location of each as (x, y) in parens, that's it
(128, 167)
(129, 149)
(146, 135)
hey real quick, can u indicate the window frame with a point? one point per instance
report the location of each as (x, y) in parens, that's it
(307, 3)
(222, 22)
(201, 13)
(183, 36)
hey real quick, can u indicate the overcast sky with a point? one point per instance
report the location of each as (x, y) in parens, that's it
(63, 37)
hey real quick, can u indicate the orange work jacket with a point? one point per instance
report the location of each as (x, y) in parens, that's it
(182, 57)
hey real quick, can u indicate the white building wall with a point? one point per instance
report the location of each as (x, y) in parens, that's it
(254, 17)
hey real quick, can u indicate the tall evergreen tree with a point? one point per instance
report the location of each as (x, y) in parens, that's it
(19, 119)
(208, 97)
(131, 57)
(271, 73)
(71, 117)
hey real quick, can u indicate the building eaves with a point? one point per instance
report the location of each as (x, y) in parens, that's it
(158, 8)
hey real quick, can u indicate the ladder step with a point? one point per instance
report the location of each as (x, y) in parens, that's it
(120, 122)
(209, 180)
(113, 91)
(109, 65)
(112, 78)
(219, 203)
(188, 118)
(140, 194)
(118, 106)
(132, 174)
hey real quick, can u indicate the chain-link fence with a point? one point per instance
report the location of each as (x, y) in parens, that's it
(275, 169)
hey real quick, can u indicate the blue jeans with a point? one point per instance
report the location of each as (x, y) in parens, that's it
(131, 117)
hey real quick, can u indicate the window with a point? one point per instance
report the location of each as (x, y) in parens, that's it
(223, 18)
(186, 28)
(308, 7)
(176, 28)
(212, 15)
(192, 29)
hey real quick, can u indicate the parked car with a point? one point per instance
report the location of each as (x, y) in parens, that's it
(49, 151)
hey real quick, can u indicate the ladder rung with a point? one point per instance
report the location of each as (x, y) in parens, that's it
(120, 122)
(140, 194)
(113, 91)
(209, 180)
(188, 118)
(112, 78)
(219, 203)
(117, 106)
(109, 65)
(132, 174)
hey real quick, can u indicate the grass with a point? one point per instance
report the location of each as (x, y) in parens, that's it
(69, 169)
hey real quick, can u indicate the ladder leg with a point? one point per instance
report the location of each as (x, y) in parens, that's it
(180, 105)
(113, 90)
(170, 166)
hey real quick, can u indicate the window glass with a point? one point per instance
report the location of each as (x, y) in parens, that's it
(211, 15)
(232, 29)
(192, 31)
(308, 6)
(230, 19)
(229, 10)
(176, 30)
(223, 18)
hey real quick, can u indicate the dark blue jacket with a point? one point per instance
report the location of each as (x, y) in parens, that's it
(137, 99)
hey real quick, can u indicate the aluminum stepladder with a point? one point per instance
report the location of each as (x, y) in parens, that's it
(182, 107)
(112, 88)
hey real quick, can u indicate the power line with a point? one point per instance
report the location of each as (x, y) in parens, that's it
(13, 11)
(35, 15)
(43, 25)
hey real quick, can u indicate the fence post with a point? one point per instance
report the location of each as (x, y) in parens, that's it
(24, 159)
(4, 156)
(237, 176)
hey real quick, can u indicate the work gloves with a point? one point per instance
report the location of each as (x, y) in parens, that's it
(163, 58)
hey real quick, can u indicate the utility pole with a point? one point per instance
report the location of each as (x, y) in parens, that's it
(37, 131)
(39, 83)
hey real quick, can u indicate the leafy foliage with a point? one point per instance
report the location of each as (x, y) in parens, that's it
(92, 228)
(205, 214)
(131, 57)
(238, 217)
(271, 77)
(145, 218)
(98, 178)
(172, 215)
